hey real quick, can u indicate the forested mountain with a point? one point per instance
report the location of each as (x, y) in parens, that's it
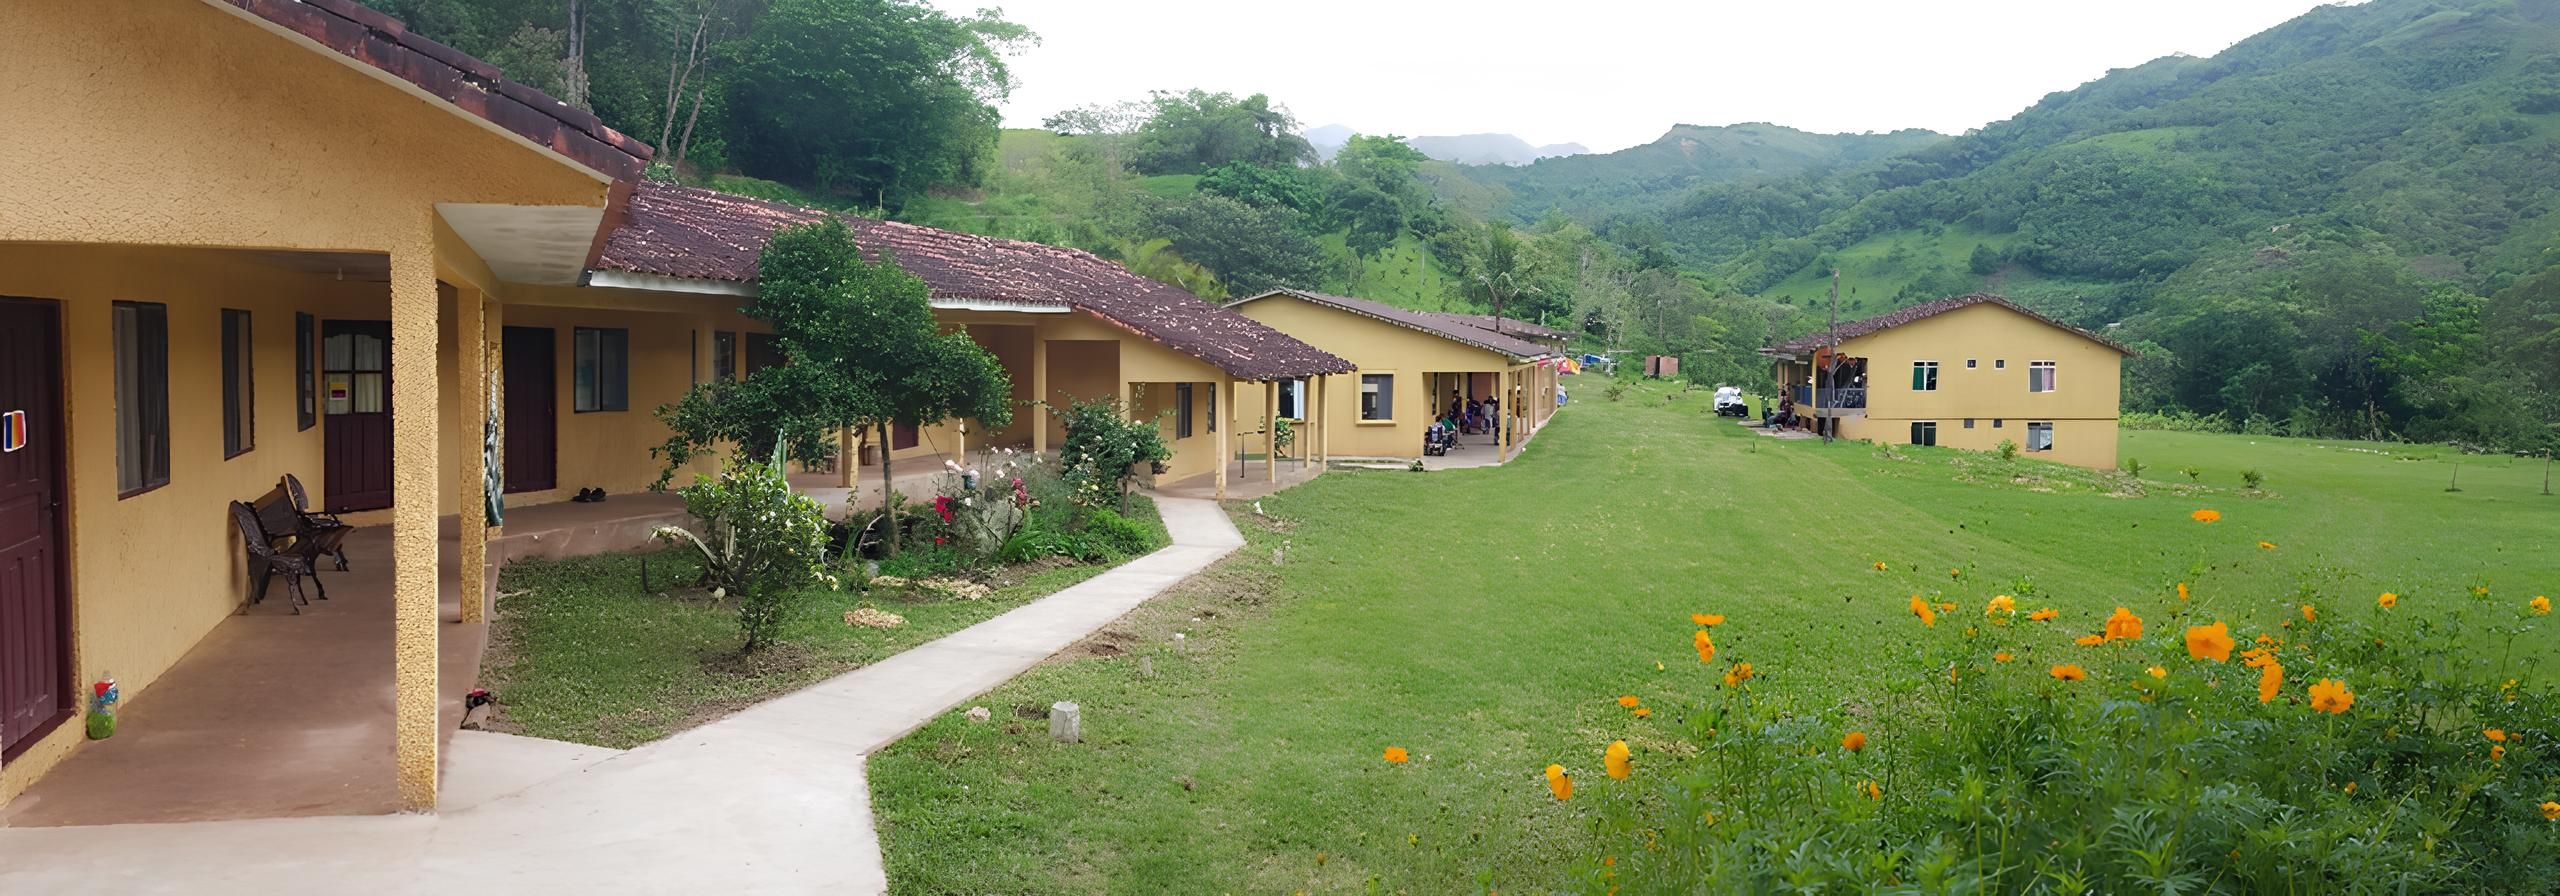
(1490, 149)
(1645, 181)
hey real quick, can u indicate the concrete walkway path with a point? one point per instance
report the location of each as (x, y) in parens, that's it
(770, 800)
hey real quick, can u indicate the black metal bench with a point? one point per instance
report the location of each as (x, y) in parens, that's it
(269, 555)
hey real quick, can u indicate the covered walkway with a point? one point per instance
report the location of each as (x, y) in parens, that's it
(274, 714)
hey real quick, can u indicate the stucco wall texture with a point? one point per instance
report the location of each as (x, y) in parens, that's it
(2002, 344)
(182, 125)
(1378, 347)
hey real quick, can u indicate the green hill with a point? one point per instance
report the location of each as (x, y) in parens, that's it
(1644, 180)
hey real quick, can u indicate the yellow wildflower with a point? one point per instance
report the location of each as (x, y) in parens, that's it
(2069, 672)
(1643, 712)
(2498, 752)
(2157, 672)
(1854, 741)
(2270, 681)
(2266, 545)
(1709, 620)
(1615, 760)
(2047, 614)
(1879, 566)
(2002, 657)
(1872, 791)
(1397, 755)
(1629, 701)
(2495, 734)
(2309, 614)
(2124, 625)
(2388, 600)
(2551, 811)
(1741, 672)
(2206, 516)
(1921, 609)
(2210, 642)
(1706, 647)
(1559, 782)
(2331, 696)
(2001, 605)
(2182, 591)
(2541, 605)
(2090, 640)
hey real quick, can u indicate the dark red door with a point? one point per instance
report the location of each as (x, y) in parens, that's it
(35, 602)
(533, 409)
(355, 398)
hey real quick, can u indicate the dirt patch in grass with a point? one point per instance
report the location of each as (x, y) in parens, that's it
(785, 658)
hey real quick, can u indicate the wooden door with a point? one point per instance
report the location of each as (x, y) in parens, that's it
(533, 409)
(355, 400)
(35, 600)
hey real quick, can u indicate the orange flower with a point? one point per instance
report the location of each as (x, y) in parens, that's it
(2069, 672)
(1615, 760)
(1955, 573)
(2090, 640)
(2206, 516)
(1706, 647)
(1397, 755)
(2157, 672)
(1871, 790)
(2495, 735)
(1644, 712)
(2047, 614)
(1879, 566)
(2541, 605)
(2270, 681)
(1629, 701)
(2309, 614)
(2001, 605)
(2182, 591)
(2551, 811)
(1741, 672)
(2002, 656)
(2498, 752)
(2480, 591)
(2210, 642)
(2266, 545)
(1709, 620)
(1921, 609)
(2257, 657)
(1854, 741)
(2331, 696)
(2388, 600)
(1559, 782)
(2124, 625)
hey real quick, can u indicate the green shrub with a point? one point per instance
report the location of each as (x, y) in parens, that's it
(1996, 757)
(1101, 451)
(2252, 479)
(1116, 533)
(2132, 467)
(762, 543)
(2008, 450)
(1615, 391)
(2194, 474)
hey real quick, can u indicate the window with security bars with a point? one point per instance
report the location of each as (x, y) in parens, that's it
(2039, 376)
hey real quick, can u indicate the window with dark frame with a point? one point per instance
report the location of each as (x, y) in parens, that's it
(2039, 436)
(239, 386)
(306, 393)
(1924, 376)
(2039, 376)
(724, 356)
(142, 396)
(1968, 423)
(603, 369)
(1182, 410)
(1377, 396)
(1293, 399)
(1924, 432)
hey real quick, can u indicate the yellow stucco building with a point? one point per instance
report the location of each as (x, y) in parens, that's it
(1413, 365)
(241, 239)
(1965, 372)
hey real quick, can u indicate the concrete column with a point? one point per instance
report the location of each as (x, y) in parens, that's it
(414, 440)
(1321, 414)
(1039, 392)
(1226, 405)
(478, 404)
(848, 460)
(1271, 431)
(1501, 423)
(495, 309)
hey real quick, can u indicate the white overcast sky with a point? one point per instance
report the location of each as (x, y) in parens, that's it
(1609, 73)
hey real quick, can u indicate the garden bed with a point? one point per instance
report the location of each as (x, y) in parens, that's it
(580, 651)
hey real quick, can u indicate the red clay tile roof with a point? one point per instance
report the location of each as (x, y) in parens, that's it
(474, 86)
(698, 234)
(1445, 326)
(1856, 328)
(1510, 326)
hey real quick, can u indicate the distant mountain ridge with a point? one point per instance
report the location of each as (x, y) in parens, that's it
(1645, 180)
(1463, 149)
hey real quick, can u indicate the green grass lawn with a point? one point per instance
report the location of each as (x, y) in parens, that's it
(580, 652)
(1485, 620)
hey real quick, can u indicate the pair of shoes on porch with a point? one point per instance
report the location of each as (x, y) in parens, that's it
(589, 495)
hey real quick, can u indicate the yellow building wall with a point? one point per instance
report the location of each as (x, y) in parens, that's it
(178, 124)
(1376, 347)
(2082, 407)
(134, 619)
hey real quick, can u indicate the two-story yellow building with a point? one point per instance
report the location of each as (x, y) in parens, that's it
(1964, 372)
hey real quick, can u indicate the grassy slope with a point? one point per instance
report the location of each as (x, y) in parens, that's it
(580, 653)
(1485, 619)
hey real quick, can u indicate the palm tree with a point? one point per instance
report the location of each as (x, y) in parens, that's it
(1500, 272)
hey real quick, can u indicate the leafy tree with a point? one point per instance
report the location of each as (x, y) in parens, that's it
(1194, 131)
(1250, 248)
(1499, 271)
(876, 99)
(860, 347)
(1290, 187)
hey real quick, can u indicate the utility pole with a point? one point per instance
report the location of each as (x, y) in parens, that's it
(1827, 421)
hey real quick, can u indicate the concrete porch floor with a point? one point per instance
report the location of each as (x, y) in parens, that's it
(278, 715)
(1246, 480)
